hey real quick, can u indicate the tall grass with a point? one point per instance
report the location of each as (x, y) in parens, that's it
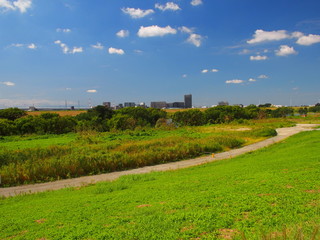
(93, 153)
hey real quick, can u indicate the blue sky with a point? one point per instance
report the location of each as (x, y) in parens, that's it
(86, 52)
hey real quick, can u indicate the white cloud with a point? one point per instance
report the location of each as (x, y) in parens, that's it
(262, 76)
(296, 34)
(6, 5)
(155, 31)
(137, 12)
(138, 51)
(186, 30)
(97, 46)
(234, 81)
(265, 36)
(195, 39)
(64, 30)
(308, 40)
(168, 6)
(258, 58)
(9, 84)
(32, 46)
(66, 49)
(184, 75)
(116, 51)
(252, 80)
(21, 45)
(196, 2)
(285, 50)
(123, 33)
(16, 45)
(91, 91)
(76, 50)
(214, 70)
(21, 5)
(205, 71)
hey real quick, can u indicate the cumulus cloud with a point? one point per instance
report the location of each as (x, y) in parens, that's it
(115, 51)
(168, 6)
(76, 50)
(97, 46)
(214, 70)
(195, 39)
(32, 46)
(66, 49)
(285, 50)
(91, 91)
(9, 84)
(123, 33)
(252, 80)
(155, 31)
(137, 12)
(64, 30)
(21, 5)
(205, 71)
(234, 81)
(258, 58)
(265, 36)
(196, 2)
(262, 76)
(308, 40)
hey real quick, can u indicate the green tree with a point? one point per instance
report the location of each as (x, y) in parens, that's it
(12, 113)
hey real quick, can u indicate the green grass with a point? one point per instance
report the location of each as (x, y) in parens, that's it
(273, 193)
(33, 159)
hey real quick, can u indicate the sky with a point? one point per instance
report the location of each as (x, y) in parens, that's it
(82, 53)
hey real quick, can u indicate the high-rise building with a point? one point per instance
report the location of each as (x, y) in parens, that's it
(188, 101)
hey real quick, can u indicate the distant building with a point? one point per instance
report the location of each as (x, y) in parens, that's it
(223, 103)
(188, 101)
(72, 108)
(142, 104)
(129, 104)
(159, 105)
(107, 104)
(176, 105)
(32, 109)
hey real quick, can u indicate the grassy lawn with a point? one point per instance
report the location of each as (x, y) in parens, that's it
(40, 158)
(267, 194)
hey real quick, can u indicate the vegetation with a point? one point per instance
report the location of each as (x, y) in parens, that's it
(272, 193)
(15, 122)
(33, 159)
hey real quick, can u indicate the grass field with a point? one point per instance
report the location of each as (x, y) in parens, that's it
(273, 193)
(61, 113)
(39, 158)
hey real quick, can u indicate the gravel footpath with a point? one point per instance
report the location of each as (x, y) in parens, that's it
(82, 181)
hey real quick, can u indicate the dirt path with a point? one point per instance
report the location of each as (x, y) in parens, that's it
(76, 182)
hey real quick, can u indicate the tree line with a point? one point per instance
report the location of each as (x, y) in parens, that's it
(14, 121)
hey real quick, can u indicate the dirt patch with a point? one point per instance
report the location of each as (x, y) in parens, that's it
(144, 205)
(228, 233)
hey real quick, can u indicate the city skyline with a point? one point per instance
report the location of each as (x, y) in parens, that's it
(243, 52)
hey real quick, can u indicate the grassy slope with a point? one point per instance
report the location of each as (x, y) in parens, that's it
(264, 191)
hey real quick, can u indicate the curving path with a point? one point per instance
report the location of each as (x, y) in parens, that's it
(82, 181)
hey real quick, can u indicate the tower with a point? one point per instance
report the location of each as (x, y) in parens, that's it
(188, 101)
